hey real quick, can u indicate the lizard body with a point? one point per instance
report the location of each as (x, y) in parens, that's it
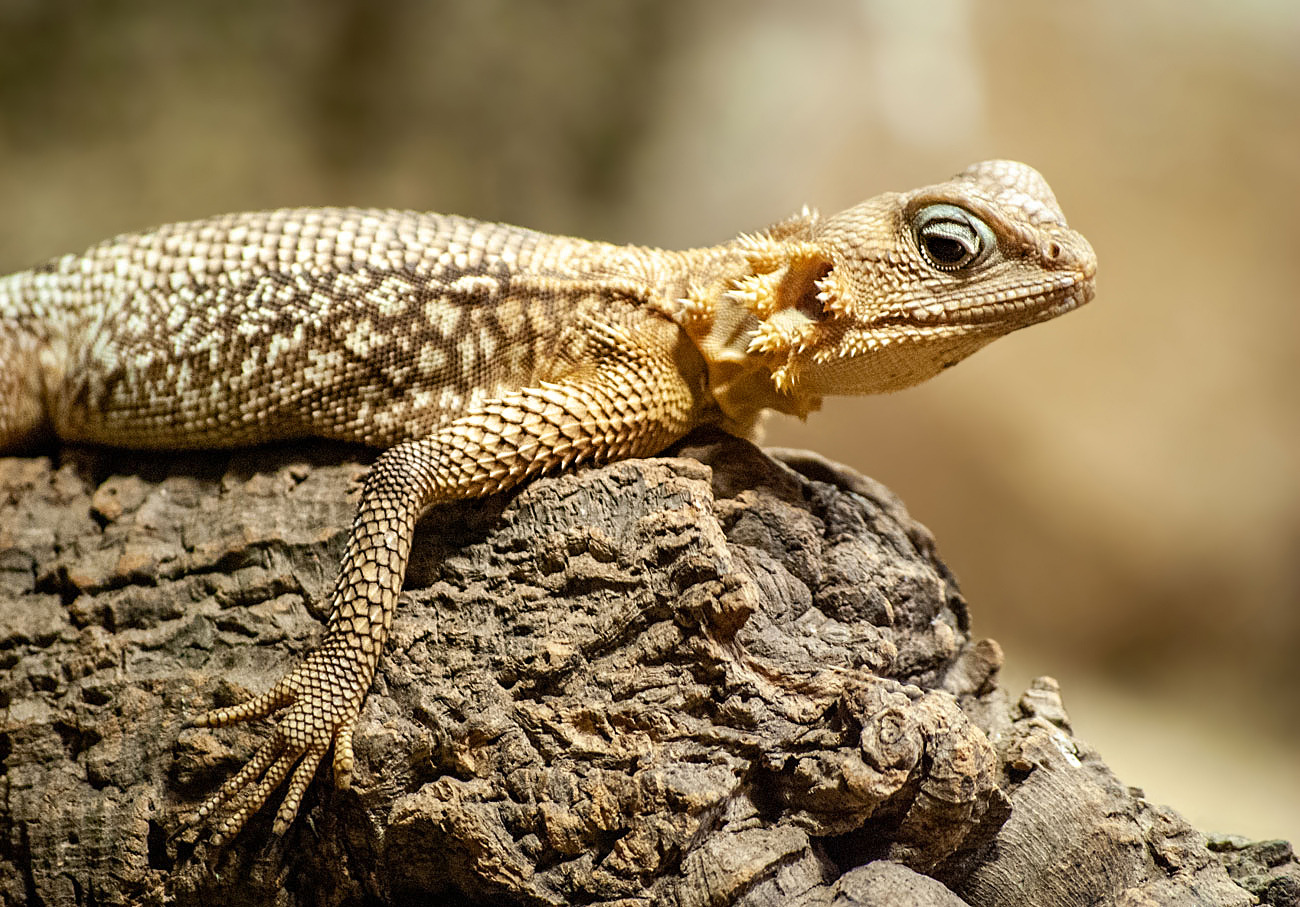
(476, 355)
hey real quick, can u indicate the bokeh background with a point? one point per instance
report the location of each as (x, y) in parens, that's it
(1119, 490)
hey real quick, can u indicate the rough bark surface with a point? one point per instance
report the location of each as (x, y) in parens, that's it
(710, 678)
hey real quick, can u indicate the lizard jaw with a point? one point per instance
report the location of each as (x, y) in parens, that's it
(1032, 305)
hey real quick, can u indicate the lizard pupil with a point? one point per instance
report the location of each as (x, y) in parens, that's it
(946, 250)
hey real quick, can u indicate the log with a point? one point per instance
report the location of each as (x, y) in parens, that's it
(720, 676)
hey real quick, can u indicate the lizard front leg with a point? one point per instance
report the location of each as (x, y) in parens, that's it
(630, 402)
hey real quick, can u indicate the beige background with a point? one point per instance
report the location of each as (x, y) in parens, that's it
(1118, 490)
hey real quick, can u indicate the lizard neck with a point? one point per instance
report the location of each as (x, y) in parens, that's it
(709, 311)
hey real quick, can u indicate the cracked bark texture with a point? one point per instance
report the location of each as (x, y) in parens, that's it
(709, 678)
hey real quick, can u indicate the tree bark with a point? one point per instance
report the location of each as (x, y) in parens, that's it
(715, 677)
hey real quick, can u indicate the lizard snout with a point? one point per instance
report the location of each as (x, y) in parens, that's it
(1061, 252)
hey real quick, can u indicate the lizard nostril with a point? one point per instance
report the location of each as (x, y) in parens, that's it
(1052, 252)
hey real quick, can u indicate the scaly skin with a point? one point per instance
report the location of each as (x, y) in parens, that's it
(478, 355)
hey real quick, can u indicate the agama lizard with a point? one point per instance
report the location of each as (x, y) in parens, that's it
(477, 355)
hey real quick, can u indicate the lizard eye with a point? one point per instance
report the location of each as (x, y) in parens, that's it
(951, 237)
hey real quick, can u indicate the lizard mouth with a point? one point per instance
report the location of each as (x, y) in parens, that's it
(1015, 308)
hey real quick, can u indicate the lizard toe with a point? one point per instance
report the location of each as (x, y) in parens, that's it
(260, 706)
(302, 777)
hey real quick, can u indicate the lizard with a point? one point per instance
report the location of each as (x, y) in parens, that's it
(477, 355)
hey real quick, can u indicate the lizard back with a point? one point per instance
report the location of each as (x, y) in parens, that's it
(363, 325)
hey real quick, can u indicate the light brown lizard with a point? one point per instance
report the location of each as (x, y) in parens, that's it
(478, 355)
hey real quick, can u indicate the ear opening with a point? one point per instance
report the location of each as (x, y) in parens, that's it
(805, 284)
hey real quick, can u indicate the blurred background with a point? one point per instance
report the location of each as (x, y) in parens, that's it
(1119, 490)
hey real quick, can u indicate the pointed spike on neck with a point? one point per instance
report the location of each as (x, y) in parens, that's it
(783, 273)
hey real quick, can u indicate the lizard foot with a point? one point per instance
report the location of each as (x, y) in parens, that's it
(322, 712)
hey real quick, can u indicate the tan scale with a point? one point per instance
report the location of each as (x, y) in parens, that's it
(477, 355)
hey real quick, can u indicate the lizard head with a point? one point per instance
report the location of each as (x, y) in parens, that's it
(890, 292)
